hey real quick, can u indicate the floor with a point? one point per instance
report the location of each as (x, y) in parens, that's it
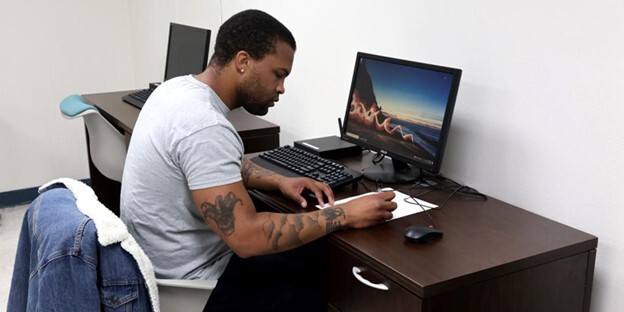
(10, 225)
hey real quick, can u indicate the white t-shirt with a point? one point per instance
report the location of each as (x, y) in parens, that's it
(182, 141)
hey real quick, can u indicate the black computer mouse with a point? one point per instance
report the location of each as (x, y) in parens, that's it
(421, 233)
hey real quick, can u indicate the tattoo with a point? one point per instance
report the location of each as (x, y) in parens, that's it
(246, 172)
(284, 230)
(222, 212)
(249, 169)
(331, 218)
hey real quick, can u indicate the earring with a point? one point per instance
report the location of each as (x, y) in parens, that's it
(242, 70)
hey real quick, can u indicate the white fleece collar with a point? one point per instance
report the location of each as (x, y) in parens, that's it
(110, 230)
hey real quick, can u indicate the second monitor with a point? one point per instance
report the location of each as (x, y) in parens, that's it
(187, 50)
(187, 53)
(401, 109)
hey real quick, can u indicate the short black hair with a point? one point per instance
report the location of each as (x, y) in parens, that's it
(253, 31)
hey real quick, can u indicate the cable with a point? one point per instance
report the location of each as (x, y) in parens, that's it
(461, 189)
(433, 183)
(439, 183)
(451, 195)
(416, 202)
(379, 185)
(378, 158)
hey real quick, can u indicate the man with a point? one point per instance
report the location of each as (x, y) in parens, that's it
(184, 192)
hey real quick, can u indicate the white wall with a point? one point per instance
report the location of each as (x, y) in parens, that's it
(535, 125)
(54, 49)
(538, 116)
(150, 29)
(51, 49)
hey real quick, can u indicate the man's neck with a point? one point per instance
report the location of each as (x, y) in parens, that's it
(222, 83)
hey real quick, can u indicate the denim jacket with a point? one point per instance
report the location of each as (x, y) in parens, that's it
(75, 255)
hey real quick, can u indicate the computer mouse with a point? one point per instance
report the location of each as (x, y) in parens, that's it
(421, 233)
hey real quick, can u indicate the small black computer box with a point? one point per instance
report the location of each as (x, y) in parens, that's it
(331, 147)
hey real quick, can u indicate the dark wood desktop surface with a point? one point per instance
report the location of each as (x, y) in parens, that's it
(493, 257)
(257, 135)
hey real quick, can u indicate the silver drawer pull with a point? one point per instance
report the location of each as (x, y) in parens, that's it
(356, 272)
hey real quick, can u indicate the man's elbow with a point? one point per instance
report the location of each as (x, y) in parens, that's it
(246, 250)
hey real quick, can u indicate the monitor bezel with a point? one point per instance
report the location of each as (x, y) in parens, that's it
(446, 123)
(206, 33)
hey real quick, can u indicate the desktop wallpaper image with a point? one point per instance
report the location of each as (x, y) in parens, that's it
(399, 107)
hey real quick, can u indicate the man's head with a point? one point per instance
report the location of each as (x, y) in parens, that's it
(261, 50)
(253, 31)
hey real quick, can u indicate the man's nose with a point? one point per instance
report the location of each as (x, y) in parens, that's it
(280, 88)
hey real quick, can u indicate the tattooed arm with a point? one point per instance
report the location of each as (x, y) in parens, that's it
(229, 211)
(256, 177)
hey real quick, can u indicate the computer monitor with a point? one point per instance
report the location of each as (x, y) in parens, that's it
(187, 50)
(400, 109)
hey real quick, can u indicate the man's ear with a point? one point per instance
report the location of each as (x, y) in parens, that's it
(241, 60)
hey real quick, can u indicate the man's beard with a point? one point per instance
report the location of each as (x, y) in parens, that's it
(249, 96)
(256, 109)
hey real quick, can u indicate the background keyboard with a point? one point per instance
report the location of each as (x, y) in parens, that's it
(291, 161)
(138, 98)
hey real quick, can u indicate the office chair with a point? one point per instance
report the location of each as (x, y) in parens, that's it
(107, 145)
(71, 243)
(184, 295)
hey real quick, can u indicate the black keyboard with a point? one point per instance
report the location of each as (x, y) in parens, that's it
(138, 98)
(291, 161)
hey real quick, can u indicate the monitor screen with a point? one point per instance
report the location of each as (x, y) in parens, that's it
(400, 109)
(187, 51)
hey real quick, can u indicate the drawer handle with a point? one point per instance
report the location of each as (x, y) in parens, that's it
(356, 272)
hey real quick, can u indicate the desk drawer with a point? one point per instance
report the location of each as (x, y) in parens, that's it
(348, 292)
(260, 143)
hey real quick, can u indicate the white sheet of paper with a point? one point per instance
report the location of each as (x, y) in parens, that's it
(403, 208)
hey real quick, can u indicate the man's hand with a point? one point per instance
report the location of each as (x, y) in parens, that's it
(369, 210)
(294, 187)
(260, 178)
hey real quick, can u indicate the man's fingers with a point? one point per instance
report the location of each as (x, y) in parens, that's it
(388, 195)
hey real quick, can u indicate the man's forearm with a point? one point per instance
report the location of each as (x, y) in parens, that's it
(256, 177)
(287, 231)
(231, 214)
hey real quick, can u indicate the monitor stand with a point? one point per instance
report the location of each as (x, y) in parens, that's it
(394, 171)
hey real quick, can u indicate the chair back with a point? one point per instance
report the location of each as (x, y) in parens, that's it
(107, 145)
(184, 295)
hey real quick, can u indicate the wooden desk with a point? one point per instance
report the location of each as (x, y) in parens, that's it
(493, 257)
(257, 135)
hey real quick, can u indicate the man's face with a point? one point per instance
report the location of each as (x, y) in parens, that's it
(264, 81)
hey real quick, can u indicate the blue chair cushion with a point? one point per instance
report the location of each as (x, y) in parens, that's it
(74, 105)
